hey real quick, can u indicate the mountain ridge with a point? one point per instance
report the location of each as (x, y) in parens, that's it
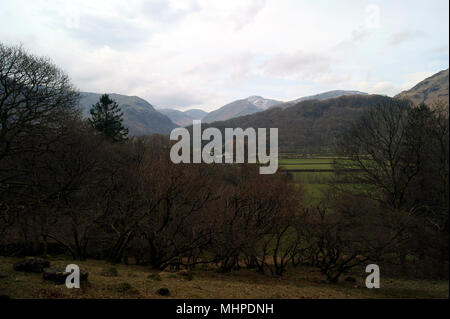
(429, 90)
(310, 125)
(321, 96)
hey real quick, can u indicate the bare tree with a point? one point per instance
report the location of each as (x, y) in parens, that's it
(375, 146)
(33, 93)
(37, 101)
(401, 156)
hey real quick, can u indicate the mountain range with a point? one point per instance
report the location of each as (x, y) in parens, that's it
(313, 114)
(310, 125)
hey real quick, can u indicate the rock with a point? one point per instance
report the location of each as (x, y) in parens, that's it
(350, 280)
(163, 292)
(32, 264)
(59, 275)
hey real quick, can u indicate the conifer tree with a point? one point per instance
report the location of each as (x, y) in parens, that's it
(106, 117)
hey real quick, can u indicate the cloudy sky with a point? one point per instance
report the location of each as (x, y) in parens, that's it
(206, 53)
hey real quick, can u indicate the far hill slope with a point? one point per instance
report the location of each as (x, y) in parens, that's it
(429, 90)
(321, 96)
(183, 118)
(309, 126)
(139, 116)
(178, 117)
(250, 105)
(196, 114)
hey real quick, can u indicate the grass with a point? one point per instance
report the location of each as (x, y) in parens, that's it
(138, 282)
(313, 177)
(305, 161)
(314, 193)
(316, 166)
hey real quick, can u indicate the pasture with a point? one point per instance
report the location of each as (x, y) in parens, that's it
(316, 173)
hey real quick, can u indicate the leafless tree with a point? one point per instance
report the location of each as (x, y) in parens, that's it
(34, 94)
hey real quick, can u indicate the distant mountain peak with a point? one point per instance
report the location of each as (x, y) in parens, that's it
(249, 105)
(259, 101)
(254, 98)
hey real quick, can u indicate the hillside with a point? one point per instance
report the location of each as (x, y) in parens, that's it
(183, 118)
(250, 105)
(196, 114)
(320, 96)
(308, 126)
(430, 90)
(178, 117)
(139, 116)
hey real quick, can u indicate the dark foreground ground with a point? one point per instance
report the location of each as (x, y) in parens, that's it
(141, 282)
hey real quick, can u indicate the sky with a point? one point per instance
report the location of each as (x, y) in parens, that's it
(206, 53)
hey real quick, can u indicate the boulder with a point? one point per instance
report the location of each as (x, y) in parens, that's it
(59, 275)
(32, 264)
(163, 292)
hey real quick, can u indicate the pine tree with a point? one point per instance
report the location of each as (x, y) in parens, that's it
(106, 117)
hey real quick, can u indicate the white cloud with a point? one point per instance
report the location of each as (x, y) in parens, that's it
(305, 65)
(404, 36)
(205, 53)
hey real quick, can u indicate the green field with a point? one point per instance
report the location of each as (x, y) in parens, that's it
(313, 177)
(282, 161)
(312, 166)
(306, 164)
(314, 193)
(316, 174)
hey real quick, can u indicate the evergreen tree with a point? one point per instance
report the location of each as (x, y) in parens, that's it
(106, 117)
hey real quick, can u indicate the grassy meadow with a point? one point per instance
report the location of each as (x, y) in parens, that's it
(314, 173)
